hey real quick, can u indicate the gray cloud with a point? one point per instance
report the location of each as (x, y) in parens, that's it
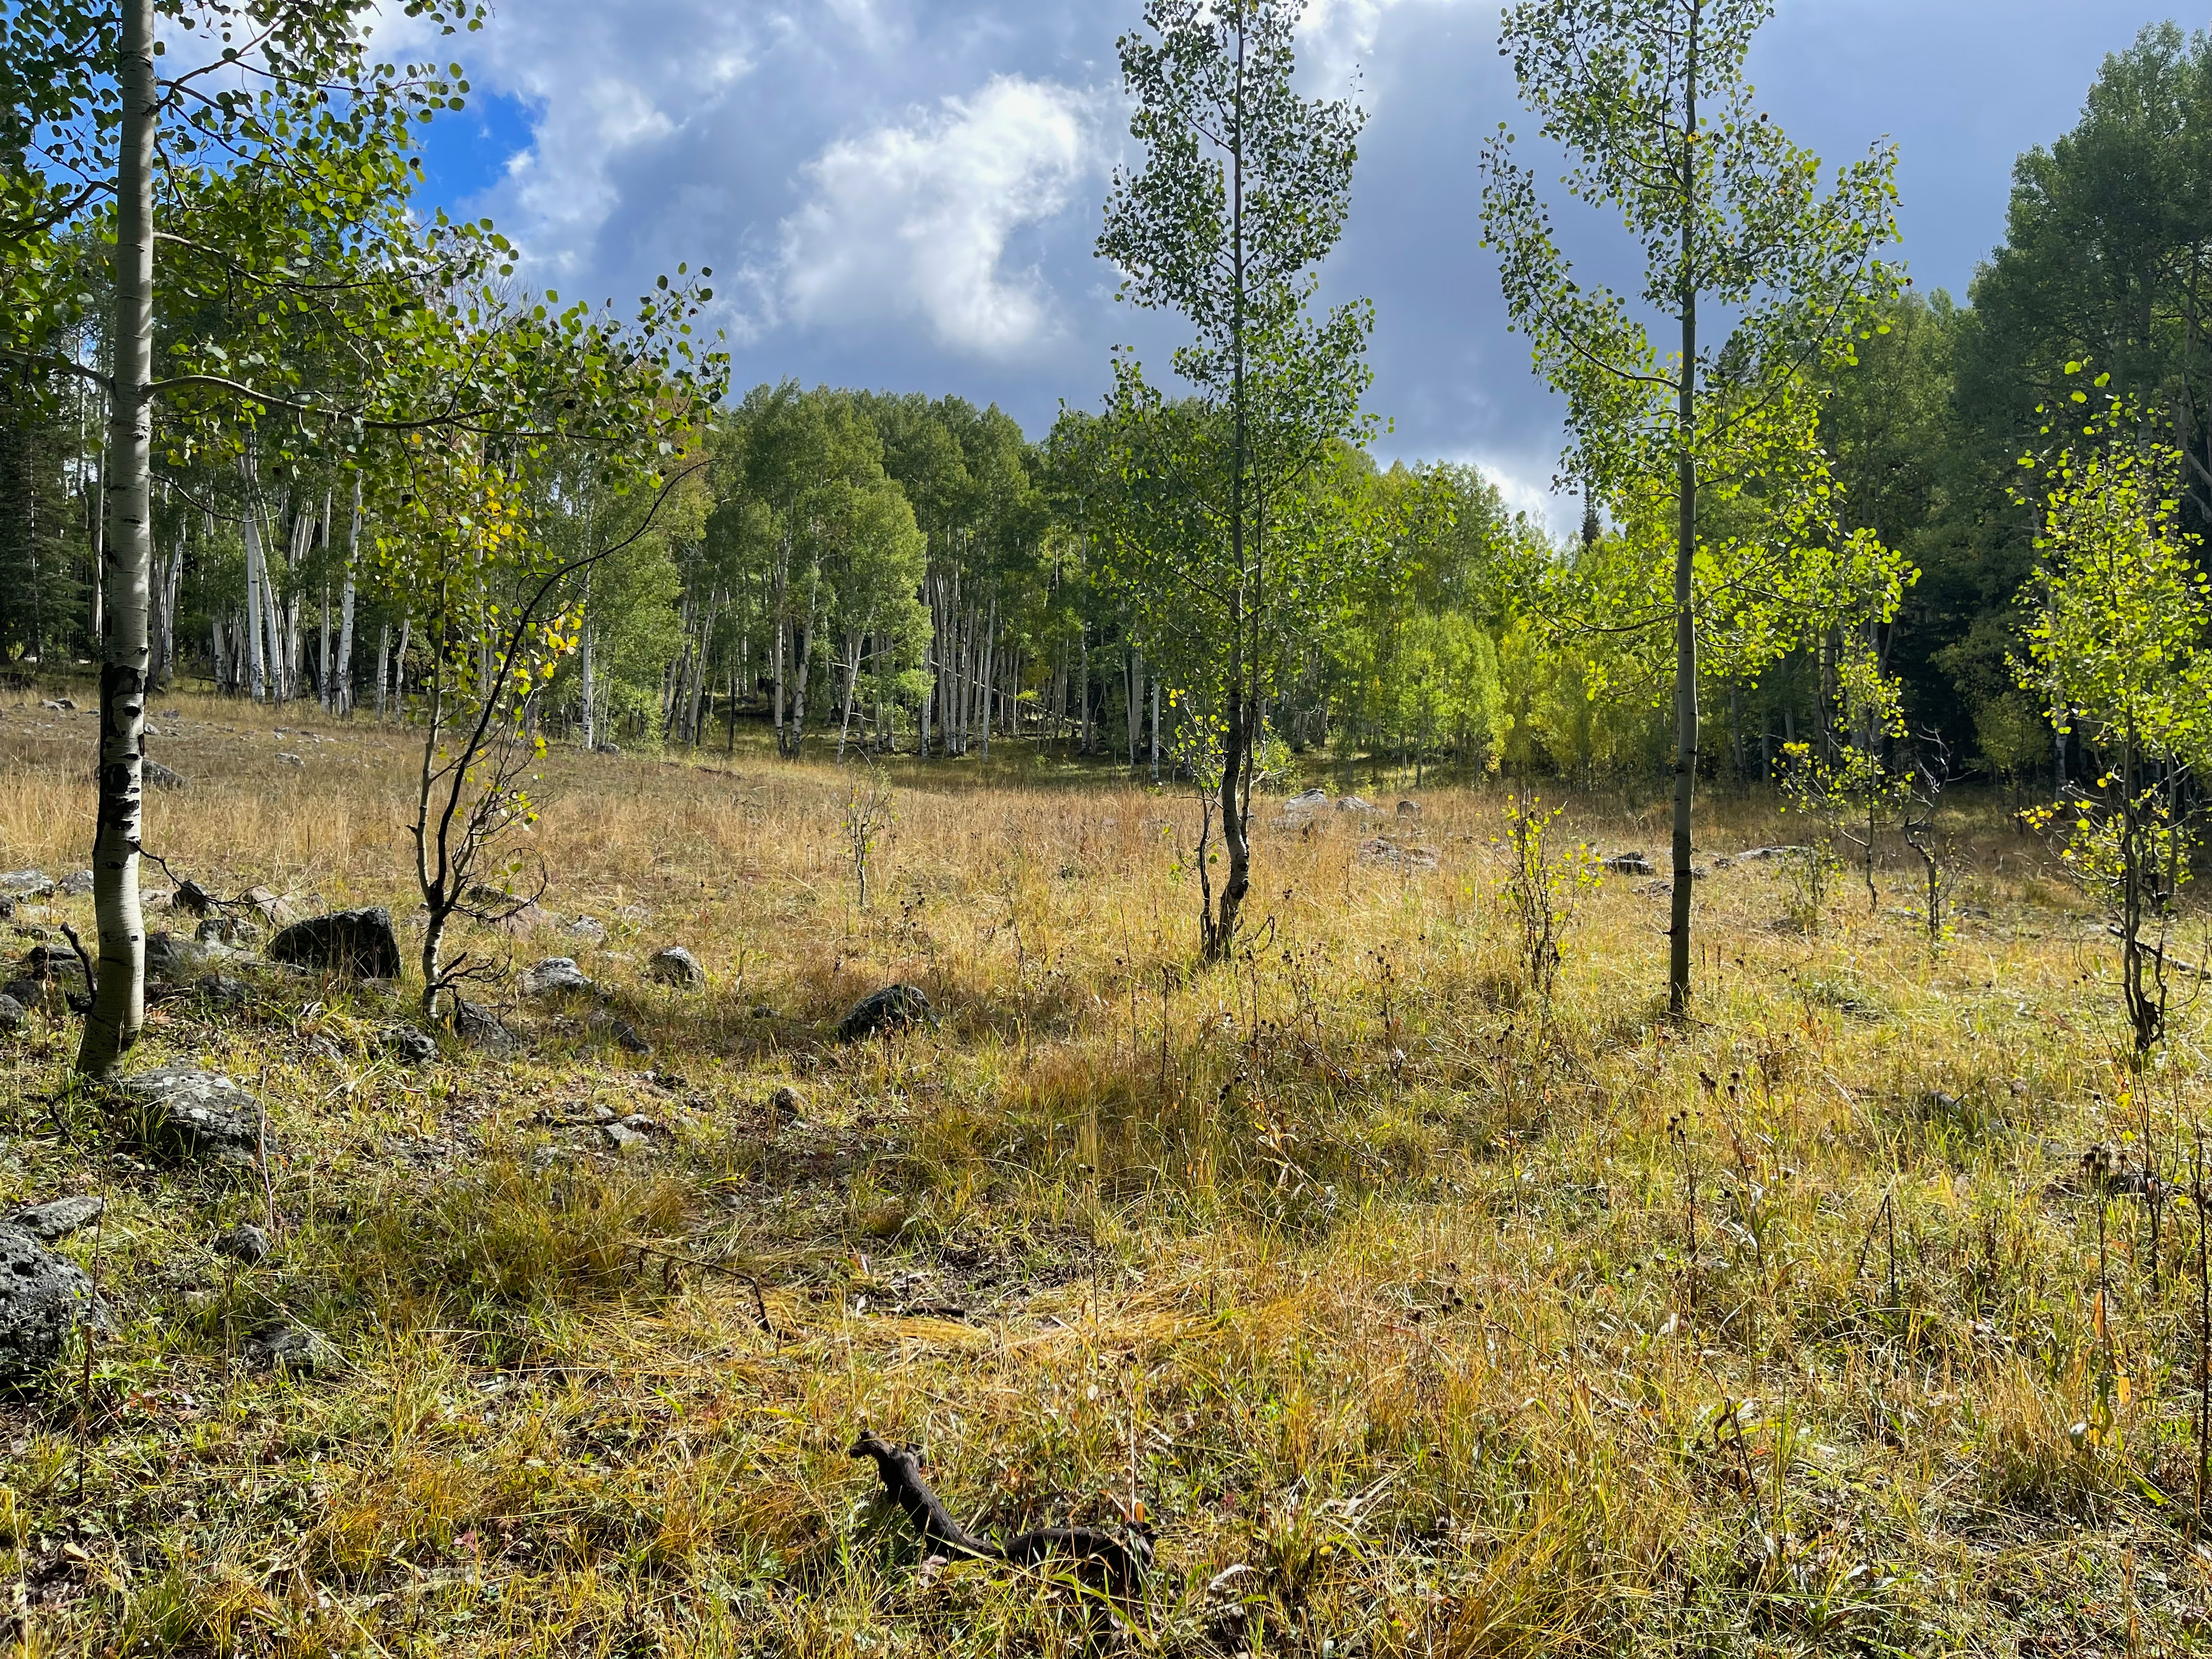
(903, 193)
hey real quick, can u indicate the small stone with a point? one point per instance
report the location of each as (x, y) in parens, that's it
(245, 1243)
(587, 931)
(675, 965)
(193, 898)
(75, 885)
(602, 1114)
(640, 1123)
(359, 944)
(291, 1348)
(628, 1037)
(606, 749)
(158, 776)
(57, 1218)
(225, 930)
(290, 760)
(785, 1104)
(42, 1299)
(13, 1018)
(188, 1113)
(624, 1138)
(26, 884)
(893, 1006)
(1409, 809)
(1629, 863)
(555, 976)
(412, 1046)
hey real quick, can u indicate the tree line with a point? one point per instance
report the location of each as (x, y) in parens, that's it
(324, 448)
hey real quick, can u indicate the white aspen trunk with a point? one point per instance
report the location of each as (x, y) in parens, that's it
(852, 689)
(989, 645)
(98, 542)
(256, 666)
(1083, 739)
(1136, 703)
(399, 670)
(591, 725)
(119, 1000)
(383, 663)
(345, 608)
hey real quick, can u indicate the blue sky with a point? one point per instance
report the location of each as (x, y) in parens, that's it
(903, 193)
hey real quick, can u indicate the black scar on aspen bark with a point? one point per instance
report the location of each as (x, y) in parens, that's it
(1099, 1557)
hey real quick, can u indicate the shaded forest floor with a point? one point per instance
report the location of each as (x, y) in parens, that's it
(1421, 1319)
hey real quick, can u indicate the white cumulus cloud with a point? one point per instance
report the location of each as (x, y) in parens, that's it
(913, 220)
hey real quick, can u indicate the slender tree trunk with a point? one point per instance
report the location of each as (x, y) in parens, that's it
(119, 1000)
(399, 670)
(1686, 545)
(344, 704)
(383, 663)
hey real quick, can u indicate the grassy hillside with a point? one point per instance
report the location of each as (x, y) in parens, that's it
(1420, 1316)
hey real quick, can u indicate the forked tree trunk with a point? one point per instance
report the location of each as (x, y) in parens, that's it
(119, 1000)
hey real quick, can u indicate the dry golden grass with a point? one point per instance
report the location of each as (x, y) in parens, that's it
(1372, 1280)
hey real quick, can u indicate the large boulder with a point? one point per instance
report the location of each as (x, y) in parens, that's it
(202, 1116)
(26, 884)
(13, 1015)
(675, 966)
(893, 1006)
(357, 942)
(42, 1299)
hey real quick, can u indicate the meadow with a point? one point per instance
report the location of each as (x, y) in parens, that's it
(1420, 1313)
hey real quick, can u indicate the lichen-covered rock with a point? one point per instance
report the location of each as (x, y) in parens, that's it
(480, 1028)
(75, 885)
(42, 1299)
(356, 943)
(244, 1243)
(675, 966)
(202, 1117)
(412, 1046)
(26, 884)
(293, 1349)
(57, 1218)
(893, 1006)
(553, 976)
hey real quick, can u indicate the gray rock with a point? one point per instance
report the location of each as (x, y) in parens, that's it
(410, 1046)
(1409, 809)
(608, 748)
(26, 884)
(586, 930)
(245, 1243)
(44, 961)
(893, 1006)
(628, 1037)
(275, 910)
(675, 966)
(42, 1299)
(204, 1116)
(359, 944)
(625, 1139)
(25, 994)
(480, 1028)
(12, 1015)
(1629, 863)
(1307, 800)
(1752, 854)
(1354, 804)
(168, 956)
(555, 976)
(785, 1104)
(225, 930)
(289, 760)
(224, 990)
(158, 776)
(292, 1348)
(57, 1218)
(75, 885)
